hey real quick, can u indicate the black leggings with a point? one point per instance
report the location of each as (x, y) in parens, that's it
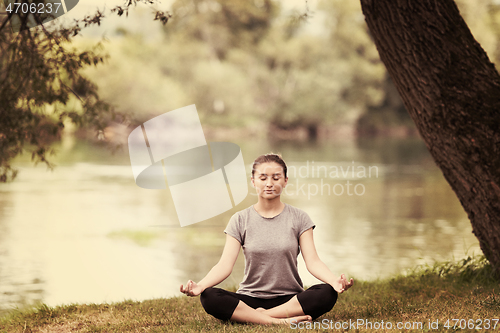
(315, 301)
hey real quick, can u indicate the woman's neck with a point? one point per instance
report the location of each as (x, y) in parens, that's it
(269, 208)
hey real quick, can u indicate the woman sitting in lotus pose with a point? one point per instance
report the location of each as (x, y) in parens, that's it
(272, 234)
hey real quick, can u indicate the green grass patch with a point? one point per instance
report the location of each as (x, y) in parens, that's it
(463, 290)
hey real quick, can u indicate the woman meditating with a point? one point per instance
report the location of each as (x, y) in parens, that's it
(272, 234)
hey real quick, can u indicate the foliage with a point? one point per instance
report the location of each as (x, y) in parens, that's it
(252, 66)
(476, 269)
(43, 88)
(223, 24)
(245, 65)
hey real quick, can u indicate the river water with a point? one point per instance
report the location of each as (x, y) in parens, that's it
(86, 233)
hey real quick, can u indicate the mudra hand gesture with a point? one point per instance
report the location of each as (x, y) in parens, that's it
(191, 289)
(342, 284)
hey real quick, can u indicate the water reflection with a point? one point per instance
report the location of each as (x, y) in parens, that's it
(87, 233)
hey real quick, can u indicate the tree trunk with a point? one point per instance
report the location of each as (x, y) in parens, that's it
(452, 92)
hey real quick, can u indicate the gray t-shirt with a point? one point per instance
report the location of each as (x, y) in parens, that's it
(271, 247)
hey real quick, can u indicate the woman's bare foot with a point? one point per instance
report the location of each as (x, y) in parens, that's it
(293, 320)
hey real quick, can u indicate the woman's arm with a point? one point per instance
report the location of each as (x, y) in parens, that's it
(317, 268)
(219, 272)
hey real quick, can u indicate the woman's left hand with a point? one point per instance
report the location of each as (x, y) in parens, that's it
(341, 284)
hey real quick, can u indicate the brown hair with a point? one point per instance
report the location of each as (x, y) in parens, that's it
(267, 158)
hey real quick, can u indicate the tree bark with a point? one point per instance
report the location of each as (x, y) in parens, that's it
(452, 92)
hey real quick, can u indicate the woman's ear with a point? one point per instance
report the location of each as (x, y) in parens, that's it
(253, 184)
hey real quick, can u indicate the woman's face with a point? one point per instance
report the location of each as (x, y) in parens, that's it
(269, 180)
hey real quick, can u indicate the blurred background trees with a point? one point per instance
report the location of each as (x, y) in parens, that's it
(251, 65)
(259, 68)
(269, 71)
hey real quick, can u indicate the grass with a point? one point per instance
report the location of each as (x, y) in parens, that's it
(463, 290)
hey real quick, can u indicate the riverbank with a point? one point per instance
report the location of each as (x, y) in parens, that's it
(428, 299)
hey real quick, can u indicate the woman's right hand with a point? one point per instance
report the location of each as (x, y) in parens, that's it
(191, 289)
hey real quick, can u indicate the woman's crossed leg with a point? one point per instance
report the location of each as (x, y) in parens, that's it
(305, 306)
